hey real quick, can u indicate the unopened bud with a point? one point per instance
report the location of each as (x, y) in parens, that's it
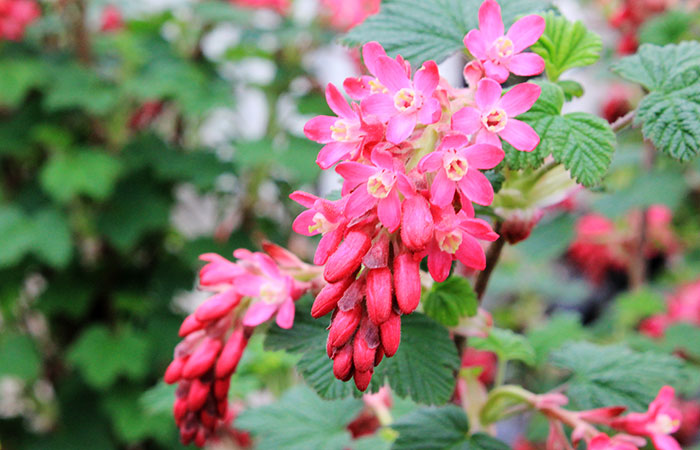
(416, 223)
(231, 354)
(379, 295)
(390, 334)
(407, 282)
(343, 326)
(202, 359)
(348, 257)
(342, 362)
(327, 299)
(362, 379)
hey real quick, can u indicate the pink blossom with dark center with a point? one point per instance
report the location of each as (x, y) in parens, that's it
(500, 53)
(494, 116)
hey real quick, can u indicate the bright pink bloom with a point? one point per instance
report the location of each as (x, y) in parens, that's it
(494, 115)
(345, 14)
(603, 442)
(659, 422)
(405, 103)
(344, 135)
(377, 185)
(364, 86)
(281, 6)
(324, 217)
(456, 237)
(15, 16)
(457, 165)
(501, 53)
(111, 19)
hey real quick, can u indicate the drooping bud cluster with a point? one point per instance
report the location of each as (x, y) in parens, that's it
(15, 16)
(411, 150)
(246, 293)
(681, 306)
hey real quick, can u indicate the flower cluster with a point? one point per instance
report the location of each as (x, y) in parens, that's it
(411, 150)
(343, 15)
(15, 16)
(682, 306)
(602, 246)
(630, 15)
(246, 293)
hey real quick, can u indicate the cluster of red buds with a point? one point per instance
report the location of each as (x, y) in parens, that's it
(15, 16)
(629, 17)
(246, 293)
(602, 246)
(411, 150)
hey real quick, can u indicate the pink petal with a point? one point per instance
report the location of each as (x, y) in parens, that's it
(430, 112)
(663, 398)
(400, 128)
(356, 88)
(303, 222)
(439, 264)
(380, 105)
(490, 22)
(249, 284)
(334, 152)
(467, 120)
(453, 141)
(467, 206)
(303, 198)
(258, 313)
(327, 245)
(318, 129)
(285, 315)
(476, 44)
(664, 442)
(470, 253)
(479, 228)
(520, 135)
(391, 74)
(484, 136)
(404, 184)
(526, 64)
(496, 71)
(267, 265)
(371, 52)
(442, 190)
(477, 187)
(359, 202)
(520, 98)
(430, 162)
(473, 72)
(389, 211)
(382, 158)
(355, 172)
(526, 32)
(483, 156)
(337, 102)
(487, 94)
(427, 78)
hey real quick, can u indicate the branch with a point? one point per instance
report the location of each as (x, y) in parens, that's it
(622, 122)
(492, 256)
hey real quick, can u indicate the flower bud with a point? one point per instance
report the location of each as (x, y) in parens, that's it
(407, 282)
(416, 223)
(327, 299)
(198, 394)
(343, 326)
(202, 359)
(362, 379)
(348, 257)
(179, 409)
(378, 355)
(190, 325)
(378, 255)
(353, 295)
(174, 371)
(231, 354)
(217, 306)
(390, 334)
(342, 362)
(365, 346)
(379, 295)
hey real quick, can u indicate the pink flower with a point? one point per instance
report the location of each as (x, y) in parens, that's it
(603, 442)
(111, 19)
(15, 16)
(364, 86)
(500, 54)
(494, 115)
(281, 6)
(457, 165)
(343, 135)
(376, 185)
(405, 103)
(324, 217)
(347, 14)
(456, 238)
(659, 422)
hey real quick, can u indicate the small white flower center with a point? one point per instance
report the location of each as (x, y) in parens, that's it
(375, 87)
(272, 292)
(405, 99)
(495, 120)
(343, 131)
(381, 183)
(664, 424)
(502, 48)
(321, 224)
(456, 166)
(449, 241)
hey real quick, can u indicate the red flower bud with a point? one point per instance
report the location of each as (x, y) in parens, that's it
(378, 356)
(342, 362)
(348, 257)
(379, 295)
(353, 295)
(416, 223)
(407, 282)
(190, 325)
(378, 255)
(362, 379)
(174, 371)
(390, 333)
(231, 354)
(221, 387)
(327, 299)
(198, 394)
(179, 409)
(343, 326)
(365, 346)
(202, 359)
(217, 306)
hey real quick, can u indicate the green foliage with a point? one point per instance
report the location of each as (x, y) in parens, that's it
(439, 428)
(667, 28)
(89, 172)
(301, 420)
(451, 300)
(683, 337)
(102, 356)
(19, 356)
(669, 113)
(558, 330)
(615, 375)
(17, 77)
(44, 234)
(631, 307)
(565, 45)
(422, 369)
(582, 142)
(506, 344)
(76, 87)
(420, 30)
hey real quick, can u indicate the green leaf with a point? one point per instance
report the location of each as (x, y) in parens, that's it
(422, 369)
(73, 86)
(658, 68)
(89, 172)
(131, 422)
(66, 296)
(441, 428)
(52, 240)
(582, 142)
(103, 356)
(451, 300)
(556, 332)
(631, 307)
(565, 45)
(667, 28)
(20, 357)
(615, 375)
(571, 88)
(17, 77)
(420, 30)
(685, 337)
(16, 235)
(506, 344)
(301, 420)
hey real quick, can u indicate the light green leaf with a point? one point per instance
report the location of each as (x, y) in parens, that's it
(615, 375)
(506, 344)
(556, 332)
(73, 86)
(89, 172)
(301, 420)
(451, 300)
(19, 356)
(17, 77)
(631, 307)
(668, 28)
(52, 240)
(420, 30)
(16, 235)
(658, 68)
(565, 45)
(685, 337)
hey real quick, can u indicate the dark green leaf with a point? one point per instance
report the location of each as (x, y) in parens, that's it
(74, 86)
(451, 300)
(89, 172)
(667, 28)
(17, 77)
(506, 344)
(19, 357)
(556, 332)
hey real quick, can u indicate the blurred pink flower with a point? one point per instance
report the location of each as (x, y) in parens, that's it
(344, 14)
